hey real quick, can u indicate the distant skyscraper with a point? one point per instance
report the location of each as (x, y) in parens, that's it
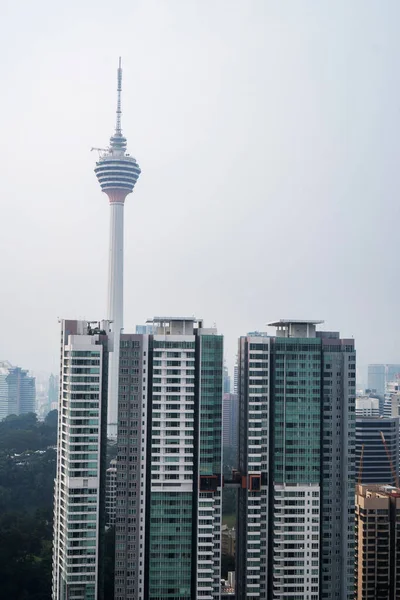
(17, 391)
(168, 521)
(392, 373)
(380, 375)
(377, 542)
(377, 378)
(230, 413)
(53, 392)
(235, 378)
(79, 512)
(295, 532)
(376, 467)
(227, 381)
(117, 173)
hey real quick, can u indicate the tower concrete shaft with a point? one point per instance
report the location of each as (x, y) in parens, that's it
(117, 173)
(115, 306)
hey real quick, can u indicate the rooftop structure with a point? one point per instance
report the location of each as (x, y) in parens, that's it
(300, 328)
(117, 173)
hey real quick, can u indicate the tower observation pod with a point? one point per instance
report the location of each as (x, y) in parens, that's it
(117, 173)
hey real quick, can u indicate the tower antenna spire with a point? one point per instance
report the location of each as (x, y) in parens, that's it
(119, 90)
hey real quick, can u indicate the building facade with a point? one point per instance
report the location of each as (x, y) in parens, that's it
(17, 391)
(377, 542)
(376, 438)
(381, 374)
(79, 511)
(169, 494)
(230, 410)
(111, 493)
(53, 392)
(295, 532)
(367, 407)
(227, 381)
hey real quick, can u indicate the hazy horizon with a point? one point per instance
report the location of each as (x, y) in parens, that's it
(266, 133)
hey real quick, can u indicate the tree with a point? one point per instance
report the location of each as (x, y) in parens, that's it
(51, 419)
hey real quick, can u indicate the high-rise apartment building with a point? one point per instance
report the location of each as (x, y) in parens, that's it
(377, 550)
(168, 520)
(17, 391)
(377, 441)
(295, 532)
(79, 512)
(111, 493)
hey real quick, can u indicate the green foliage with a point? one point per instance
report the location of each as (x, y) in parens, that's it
(51, 419)
(27, 465)
(27, 472)
(27, 481)
(25, 556)
(26, 506)
(23, 433)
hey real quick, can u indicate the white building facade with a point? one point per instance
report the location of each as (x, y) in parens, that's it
(79, 485)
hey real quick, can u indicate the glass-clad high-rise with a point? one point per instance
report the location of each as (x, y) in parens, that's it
(168, 514)
(296, 459)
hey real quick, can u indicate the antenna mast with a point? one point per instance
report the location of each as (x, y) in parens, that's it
(119, 90)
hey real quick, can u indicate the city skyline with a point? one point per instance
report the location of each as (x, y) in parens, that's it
(270, 158)
(266, 86)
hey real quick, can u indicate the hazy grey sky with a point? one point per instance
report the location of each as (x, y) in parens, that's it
(267, 133)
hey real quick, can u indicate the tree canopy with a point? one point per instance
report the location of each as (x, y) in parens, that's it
(27, 471)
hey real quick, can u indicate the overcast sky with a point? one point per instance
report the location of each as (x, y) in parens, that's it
(268, 137)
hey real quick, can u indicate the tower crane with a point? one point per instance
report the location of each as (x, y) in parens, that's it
(99, 150)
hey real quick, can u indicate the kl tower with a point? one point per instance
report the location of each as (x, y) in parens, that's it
(117, 173)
